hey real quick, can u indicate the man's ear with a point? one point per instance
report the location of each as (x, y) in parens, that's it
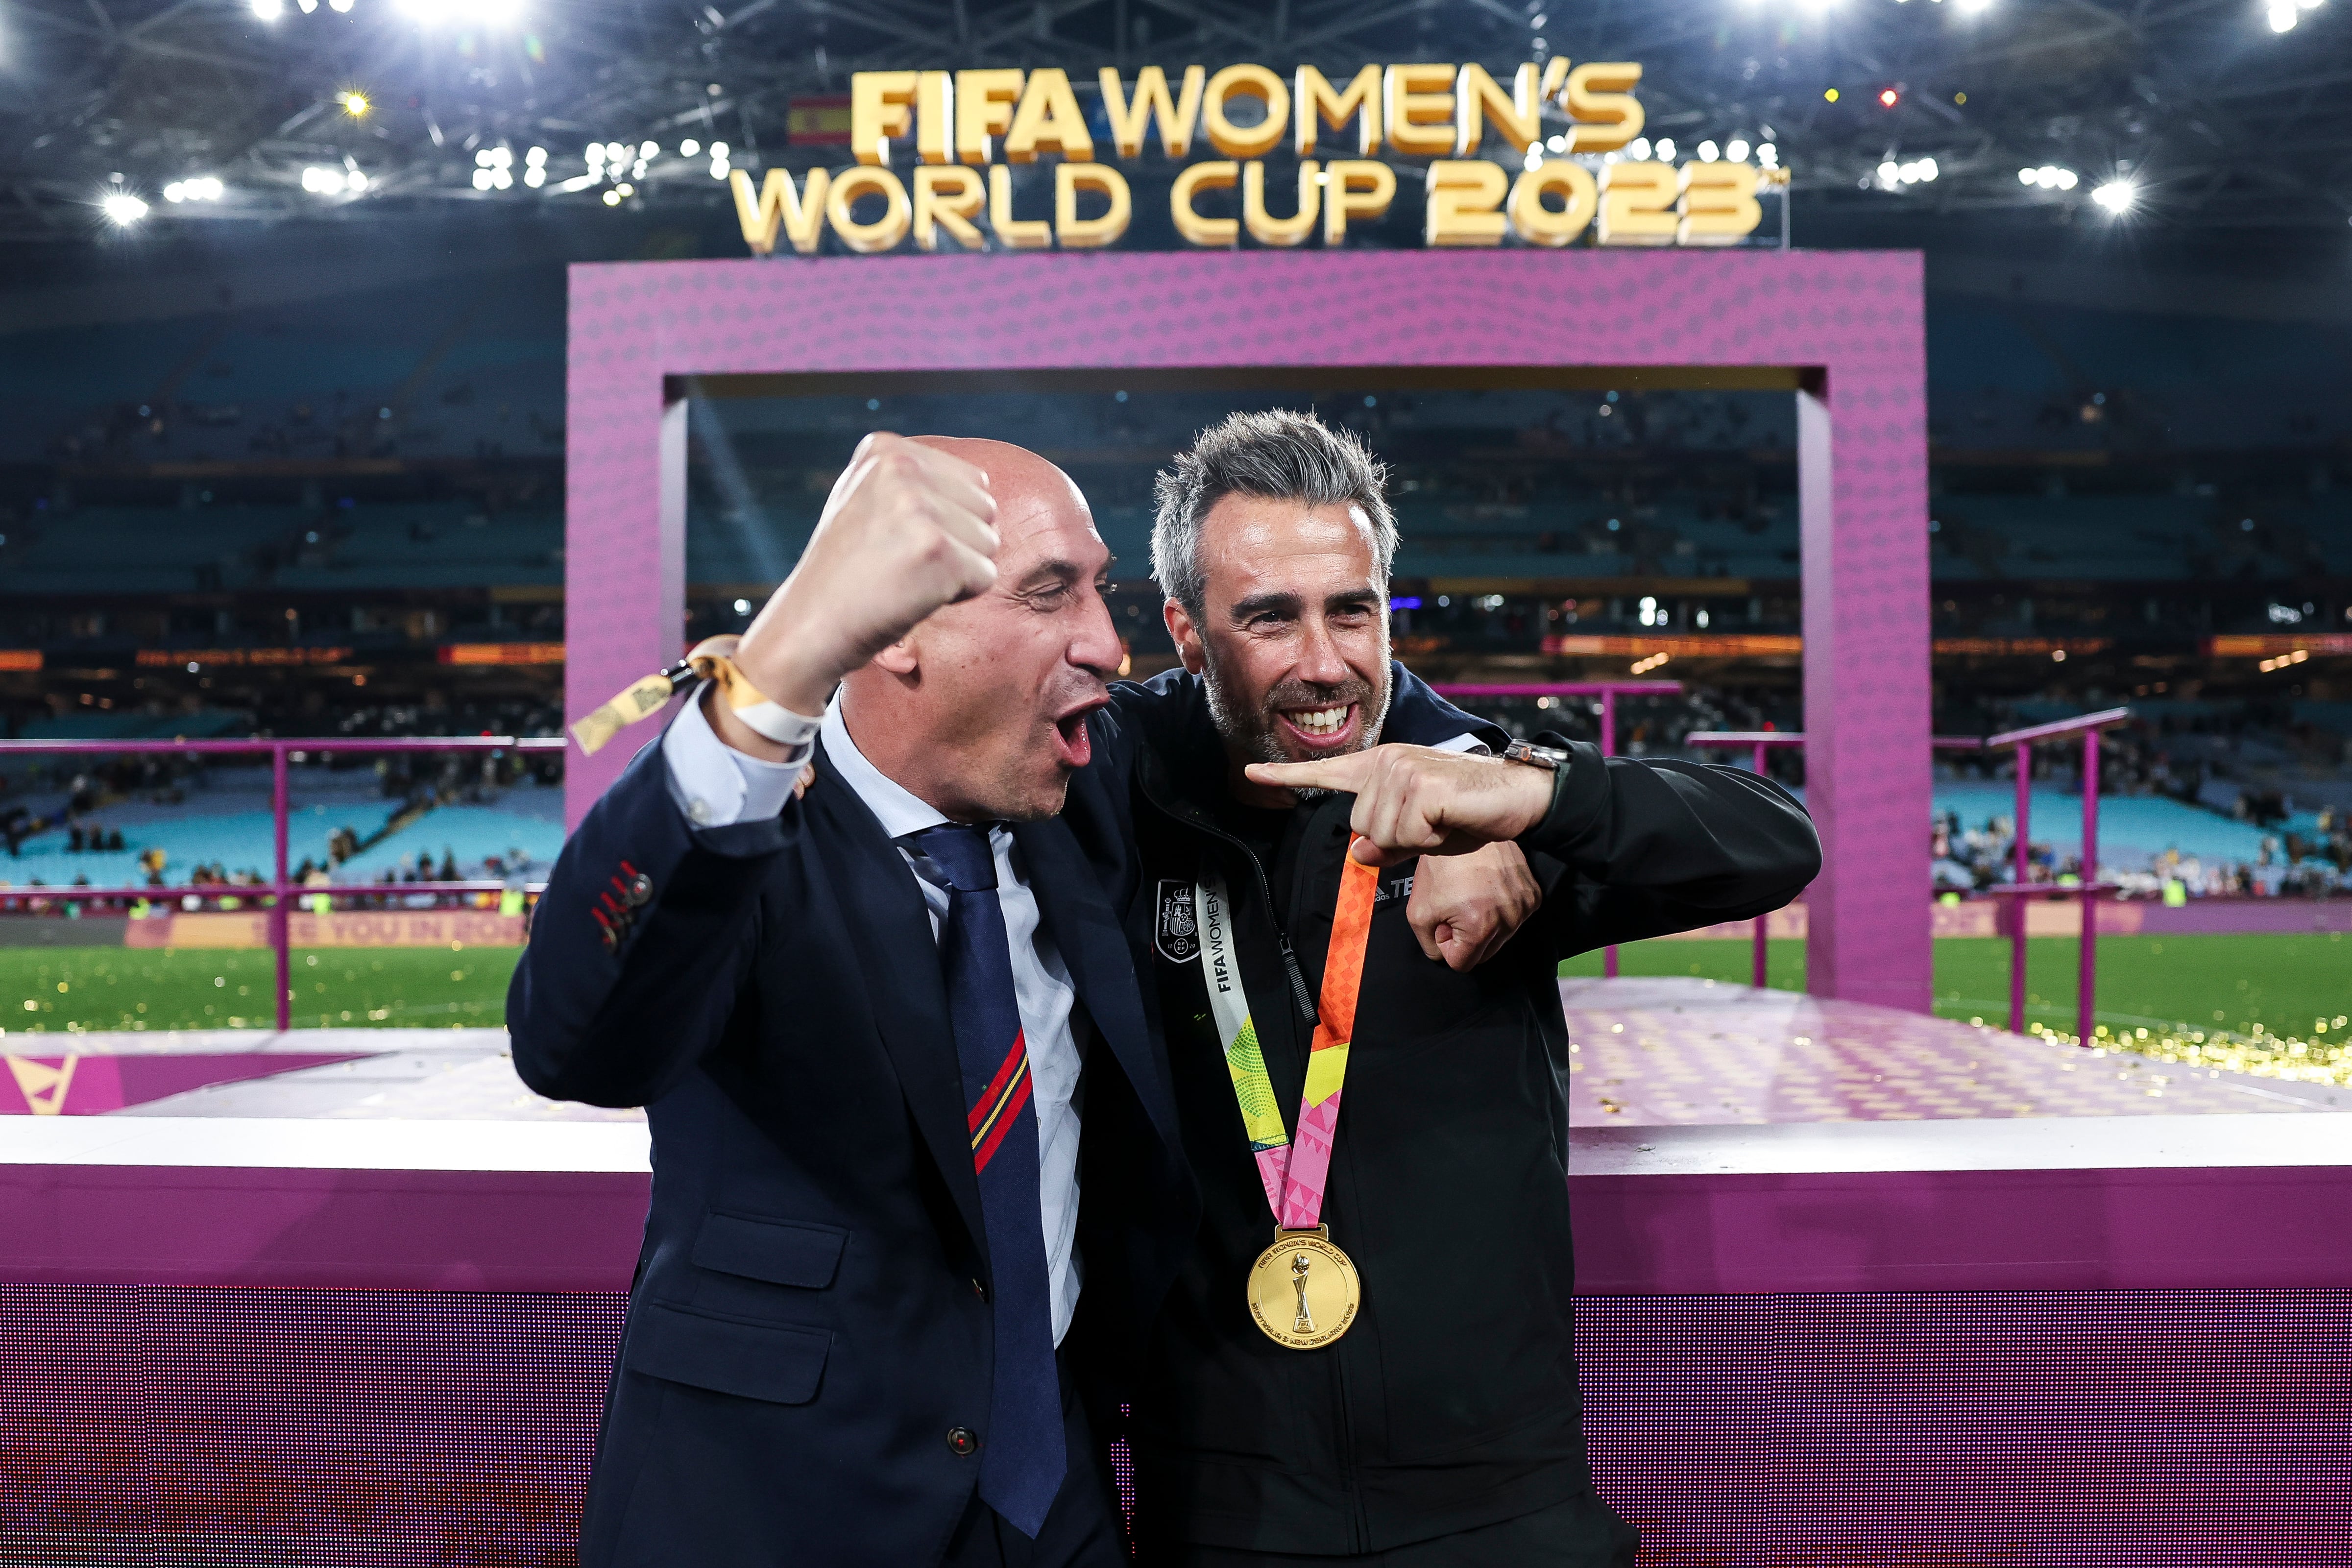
(1186, 636)
(899, 659)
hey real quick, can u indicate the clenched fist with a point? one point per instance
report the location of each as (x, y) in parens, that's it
(908, 528)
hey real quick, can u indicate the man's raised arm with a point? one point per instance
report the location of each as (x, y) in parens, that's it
(638, 946)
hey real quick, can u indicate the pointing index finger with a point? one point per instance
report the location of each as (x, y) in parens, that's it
(1333, 773)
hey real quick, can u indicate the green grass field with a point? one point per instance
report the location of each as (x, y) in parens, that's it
(48, 988)
(2259, 989)
(2285, 984)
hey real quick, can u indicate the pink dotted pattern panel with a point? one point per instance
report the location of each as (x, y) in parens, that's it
(147, 1426)
(1670, 1052)
(1853, 320)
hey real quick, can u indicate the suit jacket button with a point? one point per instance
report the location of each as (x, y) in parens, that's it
(638, 890)
(963, 1440)
(980, 1290)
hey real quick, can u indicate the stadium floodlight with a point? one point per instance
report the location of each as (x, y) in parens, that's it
(269, 10)
(535, 176)
(1664, 148)
(1768, 155)
(2117, 196)
(123, 207)
(536, 157)
(1708, 152)
(482, 178)
(1927, 170)
(355, 103)
(1736, 149)
(1638, 150)
(2282, 15)
(2067, 179)
(321, 181)
(689, 148)
(1889, 174)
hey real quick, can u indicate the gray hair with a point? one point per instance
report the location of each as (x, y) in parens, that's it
(1279, 455)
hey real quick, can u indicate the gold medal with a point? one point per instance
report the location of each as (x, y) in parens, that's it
(1303, 1292)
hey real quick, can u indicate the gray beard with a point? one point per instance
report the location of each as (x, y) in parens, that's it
(1253, 735)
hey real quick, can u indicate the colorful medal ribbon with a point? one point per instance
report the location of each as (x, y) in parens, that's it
(1293, 1175)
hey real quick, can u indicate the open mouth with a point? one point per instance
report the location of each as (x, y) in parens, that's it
(1321, 728)
(1076, 747)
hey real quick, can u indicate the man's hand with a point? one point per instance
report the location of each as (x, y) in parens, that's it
(1466, 907)
(1416, 800)
(908, 529)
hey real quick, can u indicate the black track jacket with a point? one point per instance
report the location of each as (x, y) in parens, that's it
(1453, 1401)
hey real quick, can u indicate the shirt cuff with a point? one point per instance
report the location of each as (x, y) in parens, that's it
(1468, 744)
(714, 784)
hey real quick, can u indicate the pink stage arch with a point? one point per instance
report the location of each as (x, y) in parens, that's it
(1842, 331)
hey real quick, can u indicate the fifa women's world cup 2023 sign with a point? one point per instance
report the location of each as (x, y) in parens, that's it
(958, 133)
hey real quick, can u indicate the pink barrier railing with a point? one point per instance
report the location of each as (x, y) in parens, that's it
(278, 890)
(1761, 741)
(1606, 691)
(2088, 726)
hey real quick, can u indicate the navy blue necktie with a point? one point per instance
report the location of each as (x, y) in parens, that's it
(1022, 1456)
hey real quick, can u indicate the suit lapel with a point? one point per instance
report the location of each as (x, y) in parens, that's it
(890, 930)
(1071, 907)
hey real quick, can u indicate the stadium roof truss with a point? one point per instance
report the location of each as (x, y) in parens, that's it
(2221, 125)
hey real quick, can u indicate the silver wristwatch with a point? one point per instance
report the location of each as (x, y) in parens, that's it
(1550, 759)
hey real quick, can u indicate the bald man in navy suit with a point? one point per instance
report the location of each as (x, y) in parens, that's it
(868, 1025)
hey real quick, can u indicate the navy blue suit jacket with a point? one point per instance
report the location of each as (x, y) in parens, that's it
(809, 1320)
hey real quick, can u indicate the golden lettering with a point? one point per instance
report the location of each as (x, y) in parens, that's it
(1536, 223)
(883, 233)
(935, 117)
(983, 109)
(1246, 141)
(1284, 231)
(1315, 104)
(1354, 188)
(1463, 197)
(1152, 103)
(1718, 203)
(1191, 224)
(1636, 204)
(1418, 109)
(878, 110)
(1013, 233)
(1074, 233)
(948, 199)
(1600, 100)
(1517, 116)
(1048, 120)
(801, 214)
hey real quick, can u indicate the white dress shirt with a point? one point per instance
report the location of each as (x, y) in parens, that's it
(715, 785)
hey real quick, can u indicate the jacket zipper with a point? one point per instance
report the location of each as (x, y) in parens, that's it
(1300, 994)
(1344, 1439)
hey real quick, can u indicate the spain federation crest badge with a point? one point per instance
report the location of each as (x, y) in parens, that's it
(1177, 934)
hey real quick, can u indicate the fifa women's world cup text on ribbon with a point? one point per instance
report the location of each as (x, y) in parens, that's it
(711, 659)
(1304, 1291)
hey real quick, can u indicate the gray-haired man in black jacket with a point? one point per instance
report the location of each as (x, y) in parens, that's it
(1368, 1354)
